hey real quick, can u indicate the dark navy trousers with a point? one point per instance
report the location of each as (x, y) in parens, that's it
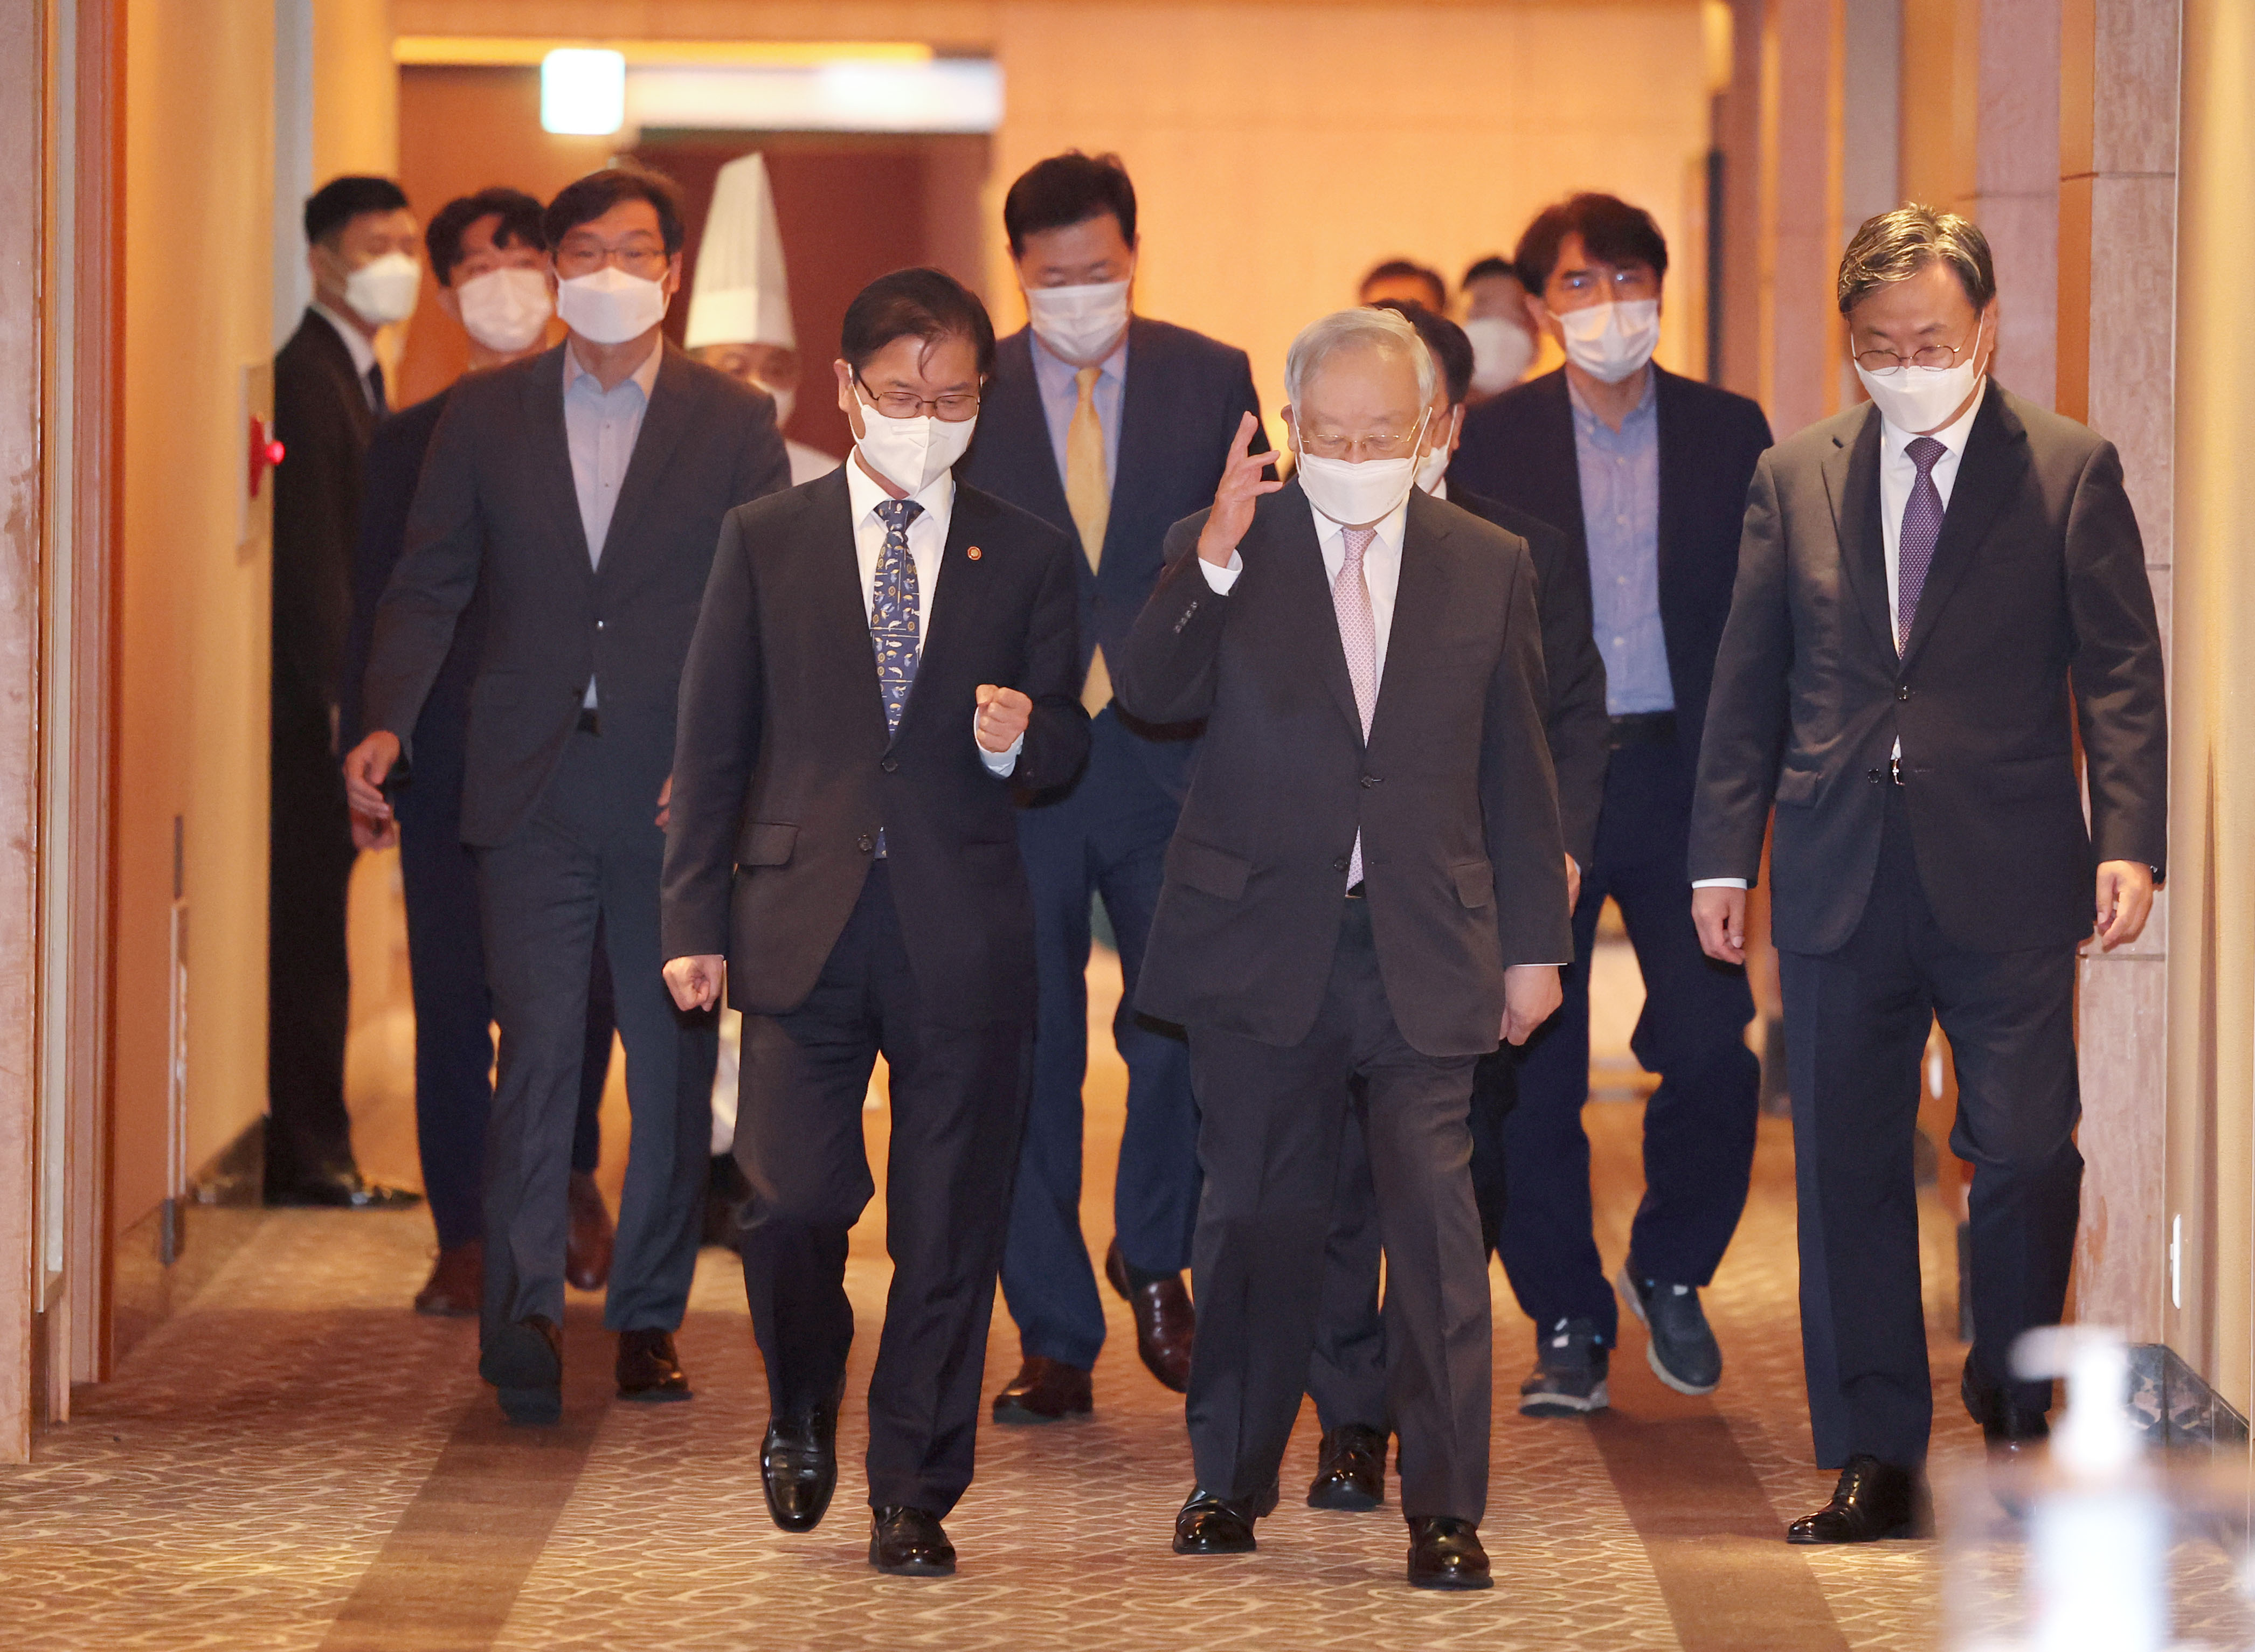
(1107, 835)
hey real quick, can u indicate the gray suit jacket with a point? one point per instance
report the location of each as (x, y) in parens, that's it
(495, 505)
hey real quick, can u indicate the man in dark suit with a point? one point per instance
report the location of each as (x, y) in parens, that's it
(328, 395)
(1347, 1376)
(1940, 593)
(488, 254)
(1111, 428)
(1646, 473)
(1366, 889)
(583, 490)
(843, 854)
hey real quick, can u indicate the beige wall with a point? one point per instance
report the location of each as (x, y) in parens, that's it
(355, 89)
(194, 604)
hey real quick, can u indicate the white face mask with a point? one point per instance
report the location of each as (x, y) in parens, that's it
(1355, 495)
(786, 399)
(1920, 399)
(384, 290)
(610, 307)
(1500, 352)
(1610, 341)
(1080, 325)
(505, 310)
(912, 453)
(1433, 467)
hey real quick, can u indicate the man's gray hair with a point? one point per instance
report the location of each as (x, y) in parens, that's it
(1896, 246)
(1381, 330)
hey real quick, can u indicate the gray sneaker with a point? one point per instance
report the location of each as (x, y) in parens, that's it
(1681, 1350)
(1569, 1378)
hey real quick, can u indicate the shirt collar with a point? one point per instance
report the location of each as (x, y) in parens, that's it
(937, 496)
(1641, 410)
(364, 353)
(1048, 364)
(1389, 528)
(1953, 436)
(644, 377)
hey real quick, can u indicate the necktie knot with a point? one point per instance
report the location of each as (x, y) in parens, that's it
(1924, 450)
(1085, 380)
(897, 513)
(1358, 541)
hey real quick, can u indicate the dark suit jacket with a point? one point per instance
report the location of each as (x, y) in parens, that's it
(323, 421)
(1518, 448)
(496, 506)
(2036, 619)
(1178, 412)
(784, 771)
(1454, 797)
(1577, 722)
(391, 471)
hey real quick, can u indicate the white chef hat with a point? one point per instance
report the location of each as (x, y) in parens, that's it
(740, 296)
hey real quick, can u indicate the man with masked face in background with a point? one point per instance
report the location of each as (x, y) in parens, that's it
(740, 301)
(1501, 332)
(1112, 427)
(582, 491)
(1646, 473)
(328, 396)
(488, 254)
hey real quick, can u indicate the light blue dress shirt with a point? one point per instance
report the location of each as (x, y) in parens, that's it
(1058, 383)
(600, 427)
(1620, 519)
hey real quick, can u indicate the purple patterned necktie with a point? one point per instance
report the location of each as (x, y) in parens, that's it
(1921, 526)
(1358, 638)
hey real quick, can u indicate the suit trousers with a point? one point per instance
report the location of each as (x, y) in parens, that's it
(1270, 1132)
(585, 868)
(958, 1108)
(1347, 1375)
(1698, 1124)
(310, 857)
(1856, 1025)
(1107, 835)
(453, 1011)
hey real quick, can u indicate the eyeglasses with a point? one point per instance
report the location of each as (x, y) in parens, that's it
(954, 407)
(1378, 444)
(1929, 355)
(585, 258)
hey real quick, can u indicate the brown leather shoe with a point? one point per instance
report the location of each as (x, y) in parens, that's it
(588, 1247)
(1166, 1324)
(457, 1281)
(648, 1369)
(1042, 1392)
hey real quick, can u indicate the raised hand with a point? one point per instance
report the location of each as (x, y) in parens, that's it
(1242, 485)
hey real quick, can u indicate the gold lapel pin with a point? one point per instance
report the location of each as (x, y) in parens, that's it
(974, 553)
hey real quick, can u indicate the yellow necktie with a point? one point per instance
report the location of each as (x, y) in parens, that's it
(1088, 496)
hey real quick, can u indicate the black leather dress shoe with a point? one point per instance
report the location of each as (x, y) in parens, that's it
(1166, 1324)
(1445, 1553)
(908, 1543)
(344, 1190)
(1874, 1500)
(525, 1361)
(1350, 1469)
(1044, 1391)
(798, 1467)
(2014, 1431)
(649, 1370)
(1211, 1524)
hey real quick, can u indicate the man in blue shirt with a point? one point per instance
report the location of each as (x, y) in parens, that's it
(1646, 475)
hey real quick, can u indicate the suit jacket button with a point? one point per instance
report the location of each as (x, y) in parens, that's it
(889, 764)
(1875, 775)
(864, 843)
(1903, 693)
(1341, 863)
(1370, 780)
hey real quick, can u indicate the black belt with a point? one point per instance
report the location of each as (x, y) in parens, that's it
(1641, 728)
(590, 720)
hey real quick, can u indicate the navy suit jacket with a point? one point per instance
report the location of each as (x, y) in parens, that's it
(1185, 396)
(394, 462)
(1519, 449)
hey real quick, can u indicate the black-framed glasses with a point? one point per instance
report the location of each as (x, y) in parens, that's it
(955, 406)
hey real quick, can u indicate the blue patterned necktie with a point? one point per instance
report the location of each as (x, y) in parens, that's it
(1922, 528)
(893, 610)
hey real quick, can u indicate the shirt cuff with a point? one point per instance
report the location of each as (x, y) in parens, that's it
(1222, 578)
(999, 764)
(1718, 883)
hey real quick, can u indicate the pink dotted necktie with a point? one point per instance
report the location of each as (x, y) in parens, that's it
(1922, 528)
(1358, 638)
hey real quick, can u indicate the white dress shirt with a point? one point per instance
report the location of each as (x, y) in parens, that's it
(364, 353)
(927, 545)
(1898, 475)
(600, 427)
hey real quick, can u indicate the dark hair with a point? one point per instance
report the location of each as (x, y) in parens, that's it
(590, 197)
(929, 305)
(1484, 269)
(1444, 341)
(336, 203)
(1612, 231)
(1899, 244)
(1409, 269)
(519, 226)
(1068, 189)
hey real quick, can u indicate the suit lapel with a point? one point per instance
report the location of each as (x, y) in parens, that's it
(550, 450)
(1562, 461)
(1015, 424)
(1851, 483)
(1996, 453)
(1420, 600)
(1143, 403)
(664, 422)
(833, 575)
(1678, 455)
